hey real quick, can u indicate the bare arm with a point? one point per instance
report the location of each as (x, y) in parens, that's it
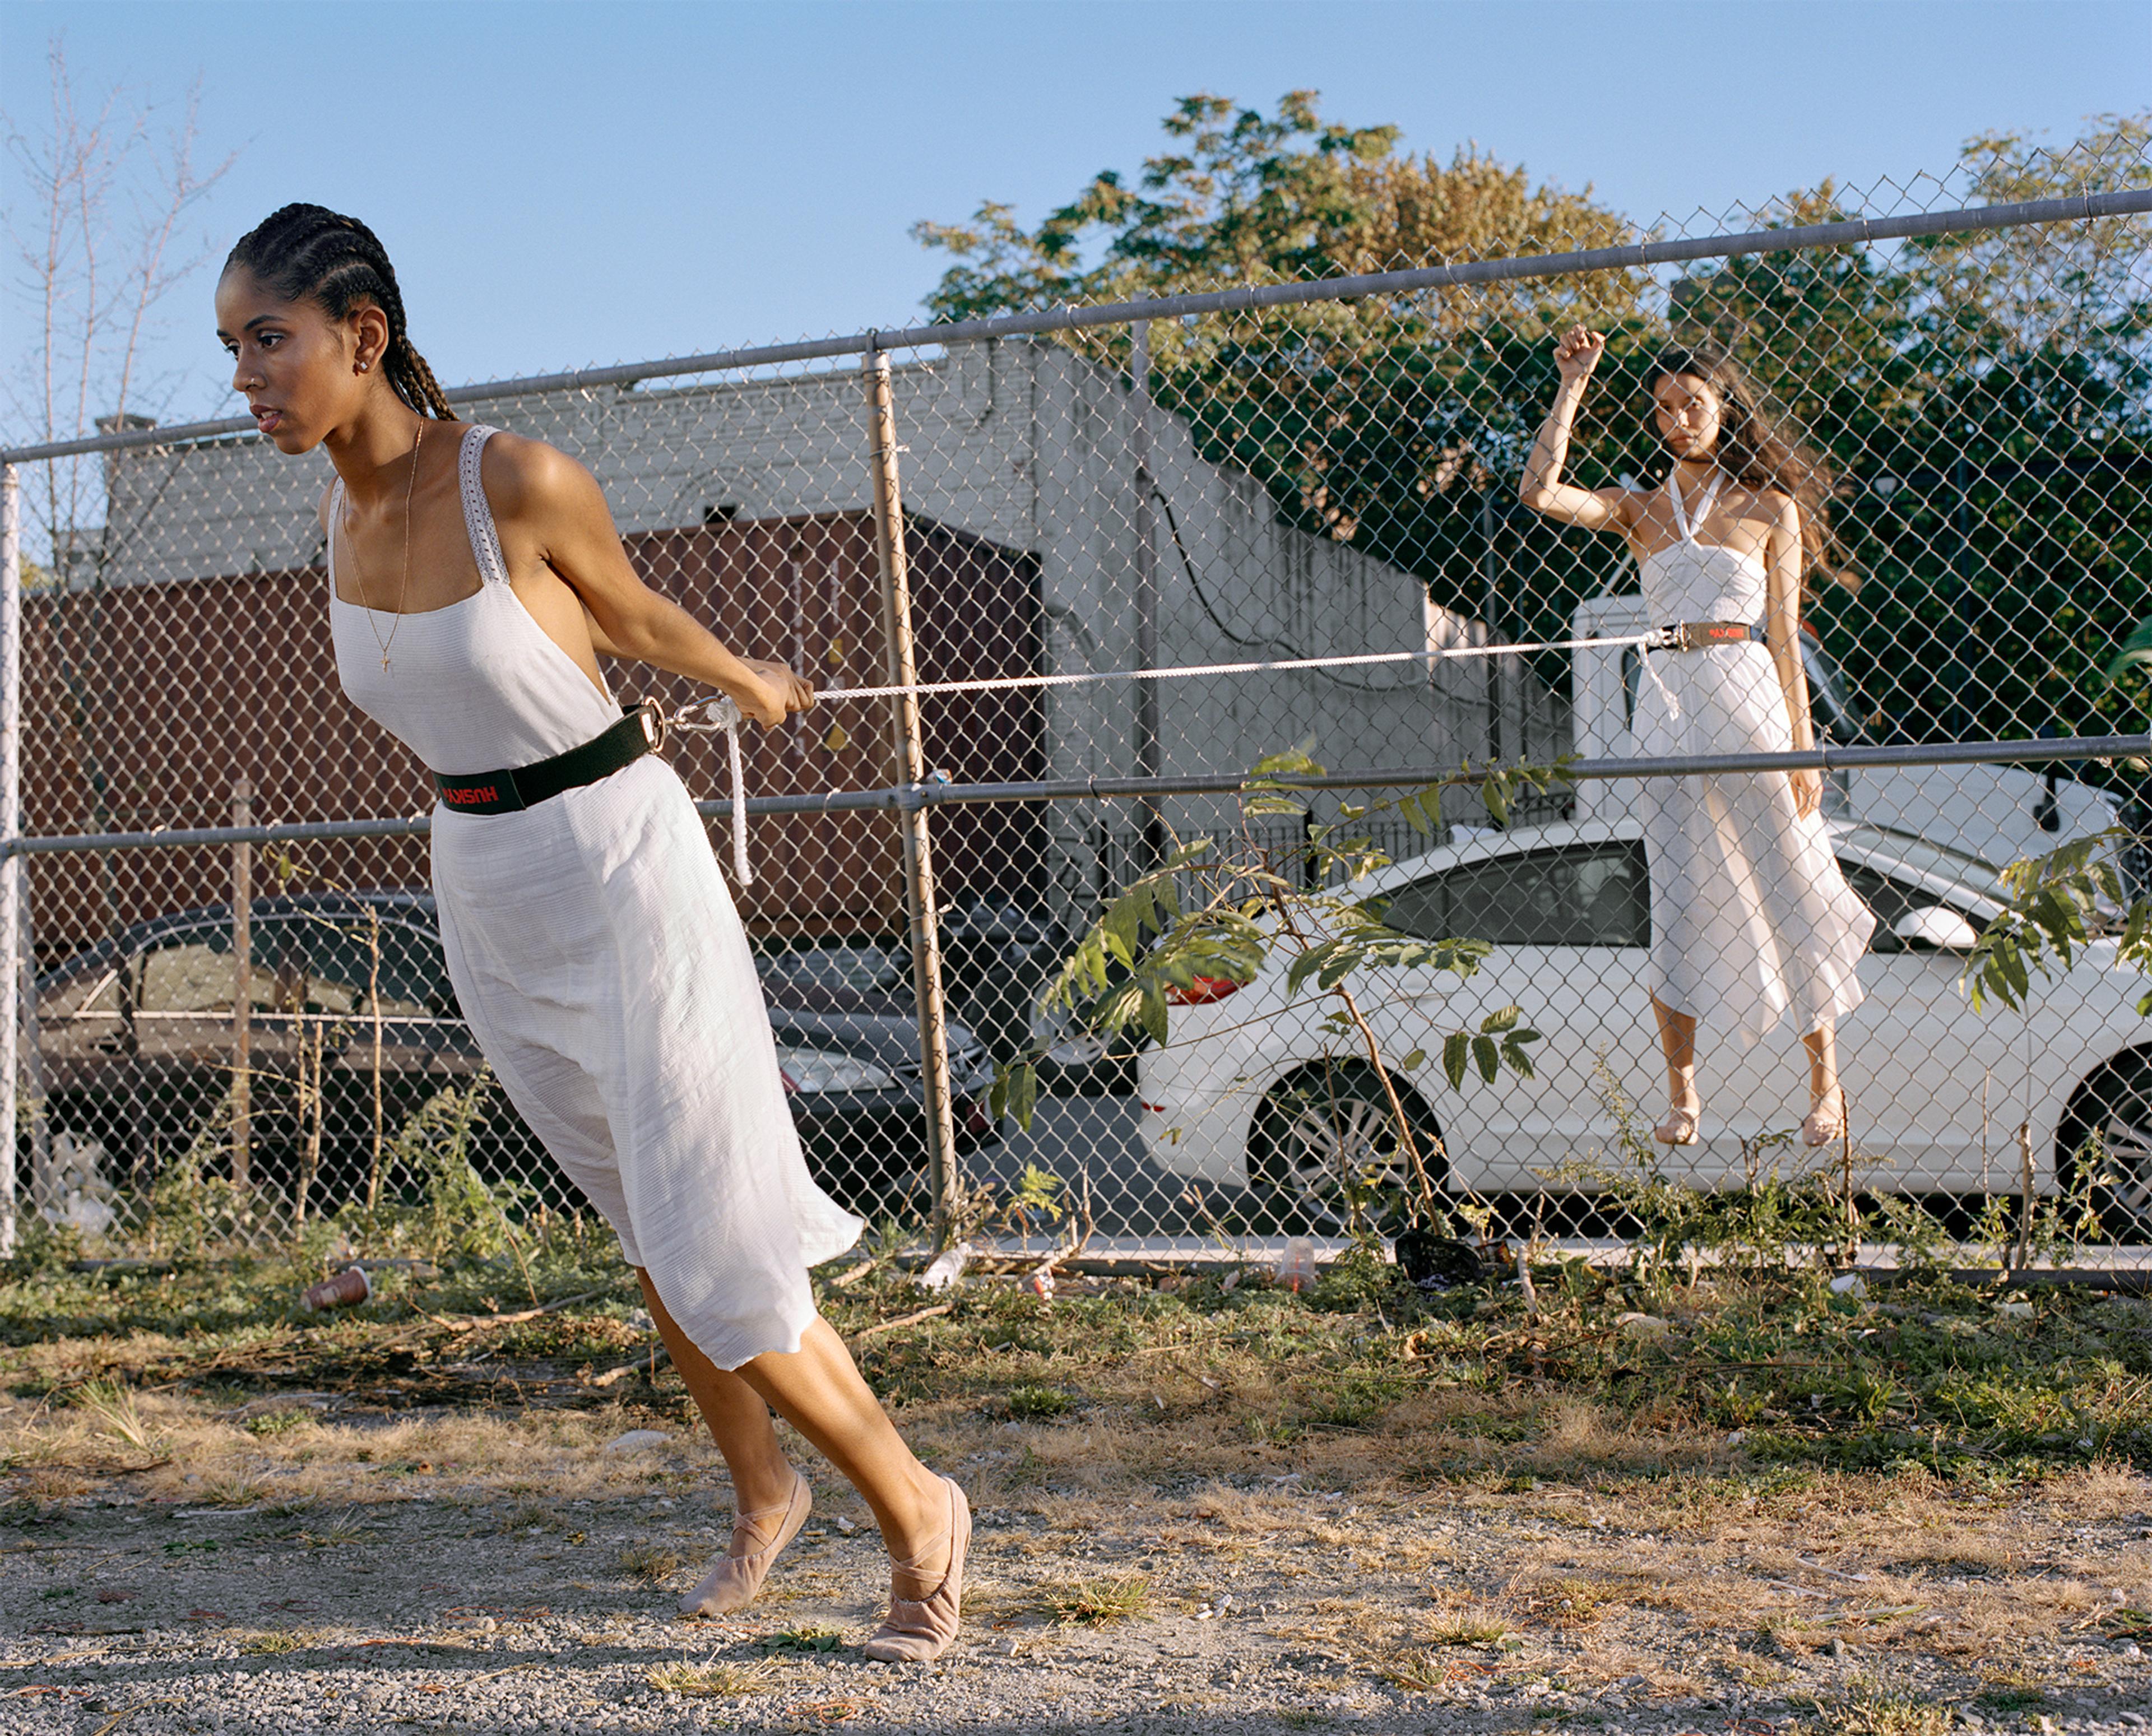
(1542, 488)
(556, 503)
(1781, 634)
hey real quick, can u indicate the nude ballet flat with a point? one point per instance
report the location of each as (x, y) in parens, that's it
(732, 1584)
(1826, 1125)
(1679, 1128)
(920, 1631)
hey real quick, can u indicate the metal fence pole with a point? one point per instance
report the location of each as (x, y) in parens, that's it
(1145, 530)
(908, 742)
(11, 826)
(242, 971)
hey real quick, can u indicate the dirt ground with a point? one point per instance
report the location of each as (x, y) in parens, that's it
(309, 1562)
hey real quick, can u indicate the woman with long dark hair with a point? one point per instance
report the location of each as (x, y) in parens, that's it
(1751, 918)
(474, 579)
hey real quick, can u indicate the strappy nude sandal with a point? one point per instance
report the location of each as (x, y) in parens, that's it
(732, 1584)
(919, 1631)
(1679, 1128)
(1826, 1125)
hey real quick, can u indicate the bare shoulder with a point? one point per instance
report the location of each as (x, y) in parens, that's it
(527, 478)
(1773, 506)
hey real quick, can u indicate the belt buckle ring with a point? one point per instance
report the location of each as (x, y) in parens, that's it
(655, 727)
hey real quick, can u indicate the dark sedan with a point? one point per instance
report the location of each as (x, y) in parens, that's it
(352, 1025)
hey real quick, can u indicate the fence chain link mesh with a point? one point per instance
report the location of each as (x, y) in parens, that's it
(1307, 480)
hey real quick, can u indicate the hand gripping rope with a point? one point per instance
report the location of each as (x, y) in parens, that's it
(709, 716)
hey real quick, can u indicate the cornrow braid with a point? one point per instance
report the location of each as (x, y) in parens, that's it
(308, 252)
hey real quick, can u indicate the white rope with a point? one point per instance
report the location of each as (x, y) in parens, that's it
(686, 717)
(721, 713)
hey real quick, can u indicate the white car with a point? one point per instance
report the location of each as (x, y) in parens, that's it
(1243, 1092)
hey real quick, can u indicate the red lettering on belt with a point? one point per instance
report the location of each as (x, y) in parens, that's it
(467, 798)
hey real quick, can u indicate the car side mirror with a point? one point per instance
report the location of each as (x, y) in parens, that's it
(1935, 926)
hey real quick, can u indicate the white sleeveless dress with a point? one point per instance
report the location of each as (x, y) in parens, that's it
(1750, 916)
(598, 958)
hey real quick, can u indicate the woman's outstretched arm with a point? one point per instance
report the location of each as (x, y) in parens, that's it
(558, 511)
(1782, 632)
(1542, 489)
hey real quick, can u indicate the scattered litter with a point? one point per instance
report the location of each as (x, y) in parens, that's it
(349, 1286)
(947, 1268)
(1436, 1262)
(1042, 1282)
(1849, 1283)
(846, 1525)
(1296, 1267)
(2014, 1310)
(637, 1439)
(1642, 1325)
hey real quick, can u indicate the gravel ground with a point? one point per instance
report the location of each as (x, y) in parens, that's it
(1262, 1605)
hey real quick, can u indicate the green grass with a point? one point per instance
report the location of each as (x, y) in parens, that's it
(1921, 1373)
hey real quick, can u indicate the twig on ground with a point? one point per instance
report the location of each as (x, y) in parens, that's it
(911, 1319)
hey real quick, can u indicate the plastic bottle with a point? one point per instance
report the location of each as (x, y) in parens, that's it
(948, 1267)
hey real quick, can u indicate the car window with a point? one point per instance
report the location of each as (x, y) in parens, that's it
(189, 973)
(93, 994)
(327, 963)
(1888, 900)
(1586, 895)
(306, 962)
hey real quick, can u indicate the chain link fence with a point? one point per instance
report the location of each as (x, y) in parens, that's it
(1184, 536)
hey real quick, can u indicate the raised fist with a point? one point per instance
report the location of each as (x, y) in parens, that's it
(1577, 352)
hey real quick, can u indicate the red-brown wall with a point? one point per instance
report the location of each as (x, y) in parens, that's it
(144, 703)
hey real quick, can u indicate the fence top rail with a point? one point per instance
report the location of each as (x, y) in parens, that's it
(1855, 231)
(911, 797)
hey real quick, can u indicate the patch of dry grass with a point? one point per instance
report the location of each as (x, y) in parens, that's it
(1099, 1602)
(652, 1563)
(713, 1680)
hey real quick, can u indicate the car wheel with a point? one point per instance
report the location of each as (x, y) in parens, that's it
(2106, 1141)
(1325, 1153)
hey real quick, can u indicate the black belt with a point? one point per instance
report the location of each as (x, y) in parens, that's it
(641, 731)
(1703, 635)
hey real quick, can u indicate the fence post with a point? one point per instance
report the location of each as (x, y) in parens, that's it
(1148, 759)
(11, 827)
(901, 669)
(242, 973)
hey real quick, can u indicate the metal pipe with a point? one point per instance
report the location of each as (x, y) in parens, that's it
(906, 797)
(11, 825)
(1147, 742)
(907, 739)
(242, 991)
(2083, 207)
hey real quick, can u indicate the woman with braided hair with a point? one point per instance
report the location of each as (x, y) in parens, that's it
(474, 579)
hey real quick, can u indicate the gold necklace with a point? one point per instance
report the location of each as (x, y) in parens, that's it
(364, 592)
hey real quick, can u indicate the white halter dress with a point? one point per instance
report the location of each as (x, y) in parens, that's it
(1750, 915)
(597, 956)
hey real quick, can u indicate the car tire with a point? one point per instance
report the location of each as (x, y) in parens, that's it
(1328, 1122)
(2115, 1105)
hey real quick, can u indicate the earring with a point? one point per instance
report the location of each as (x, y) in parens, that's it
(364, 366)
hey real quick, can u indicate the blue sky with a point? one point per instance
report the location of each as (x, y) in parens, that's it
(564, 183)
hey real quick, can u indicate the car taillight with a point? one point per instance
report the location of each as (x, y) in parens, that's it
(1203, 991)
